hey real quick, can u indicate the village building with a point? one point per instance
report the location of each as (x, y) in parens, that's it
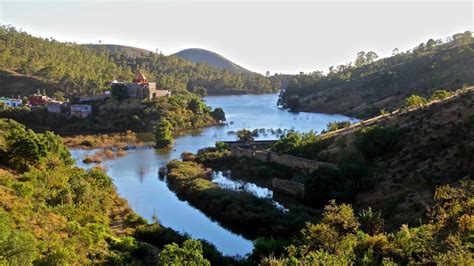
(81, 110)
(11, 102)
(54, 106)
(100, 97)
(141, 88)
(38, 99)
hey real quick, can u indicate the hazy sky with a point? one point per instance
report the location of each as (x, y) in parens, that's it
(279, 36)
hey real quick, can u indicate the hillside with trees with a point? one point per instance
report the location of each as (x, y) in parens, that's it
(178, 74)
(74, 69)
(366, 86)
(392, 162)
(53, 213)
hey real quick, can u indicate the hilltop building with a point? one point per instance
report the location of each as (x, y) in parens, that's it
(141, 88)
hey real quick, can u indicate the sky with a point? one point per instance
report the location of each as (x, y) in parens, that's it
(278, 36)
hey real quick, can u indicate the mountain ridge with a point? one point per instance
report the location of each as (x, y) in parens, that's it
(199, 55)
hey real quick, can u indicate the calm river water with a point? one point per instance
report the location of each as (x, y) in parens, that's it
(136, 174)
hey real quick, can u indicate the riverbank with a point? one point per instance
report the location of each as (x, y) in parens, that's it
(241, 211)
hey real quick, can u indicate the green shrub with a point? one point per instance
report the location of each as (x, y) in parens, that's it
(440, 94)
(163, 135)
(190, 253)
(415, 101)
(333, 126)
(376, 141)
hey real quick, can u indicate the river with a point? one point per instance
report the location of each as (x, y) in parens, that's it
(136, 174)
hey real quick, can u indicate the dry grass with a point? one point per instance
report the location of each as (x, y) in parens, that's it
(116, 140)
(105, 154)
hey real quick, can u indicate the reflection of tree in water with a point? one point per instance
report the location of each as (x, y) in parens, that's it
(141, 173)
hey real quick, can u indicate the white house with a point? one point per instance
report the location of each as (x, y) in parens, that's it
(54, 106)
(11, 102)
(81, 110)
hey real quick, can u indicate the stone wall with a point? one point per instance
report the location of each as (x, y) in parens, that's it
(287, 160)
(288, 187)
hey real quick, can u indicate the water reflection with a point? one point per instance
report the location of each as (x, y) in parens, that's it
(224, 180)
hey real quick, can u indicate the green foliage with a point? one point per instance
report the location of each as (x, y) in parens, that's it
(371, 221)
(218, 114)
(221, 146)
(119, 91)
(440, 94)
(163, 135)
(199, 90)
(22, 148)
(333, 126)
(17, 247)
(470, 120)
(196, 106)
(376, 141)
(337, 239)
(245, 135)
(340, 183)
(293, 102)
(75, 68)
(415, 101)
(189, 254)
(306, 145)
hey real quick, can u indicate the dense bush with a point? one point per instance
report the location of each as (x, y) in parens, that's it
(333, 126)
(341, 183)
(21, 148)
(376, 141)
(339, 238)
(415, 101)
(189, 254)
(306, 145)
(163, 136)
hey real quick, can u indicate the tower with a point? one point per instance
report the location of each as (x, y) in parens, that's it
(140, 78)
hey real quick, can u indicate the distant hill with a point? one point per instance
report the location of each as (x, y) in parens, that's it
(197, 55)
(362, 90)
(123, 49)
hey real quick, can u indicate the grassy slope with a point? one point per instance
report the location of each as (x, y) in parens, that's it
(437, 148)
(14, 84)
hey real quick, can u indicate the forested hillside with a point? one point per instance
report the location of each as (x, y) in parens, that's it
(179, 74)
(80, 69)
(52, 213)
(392, 162)
(367, 85)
